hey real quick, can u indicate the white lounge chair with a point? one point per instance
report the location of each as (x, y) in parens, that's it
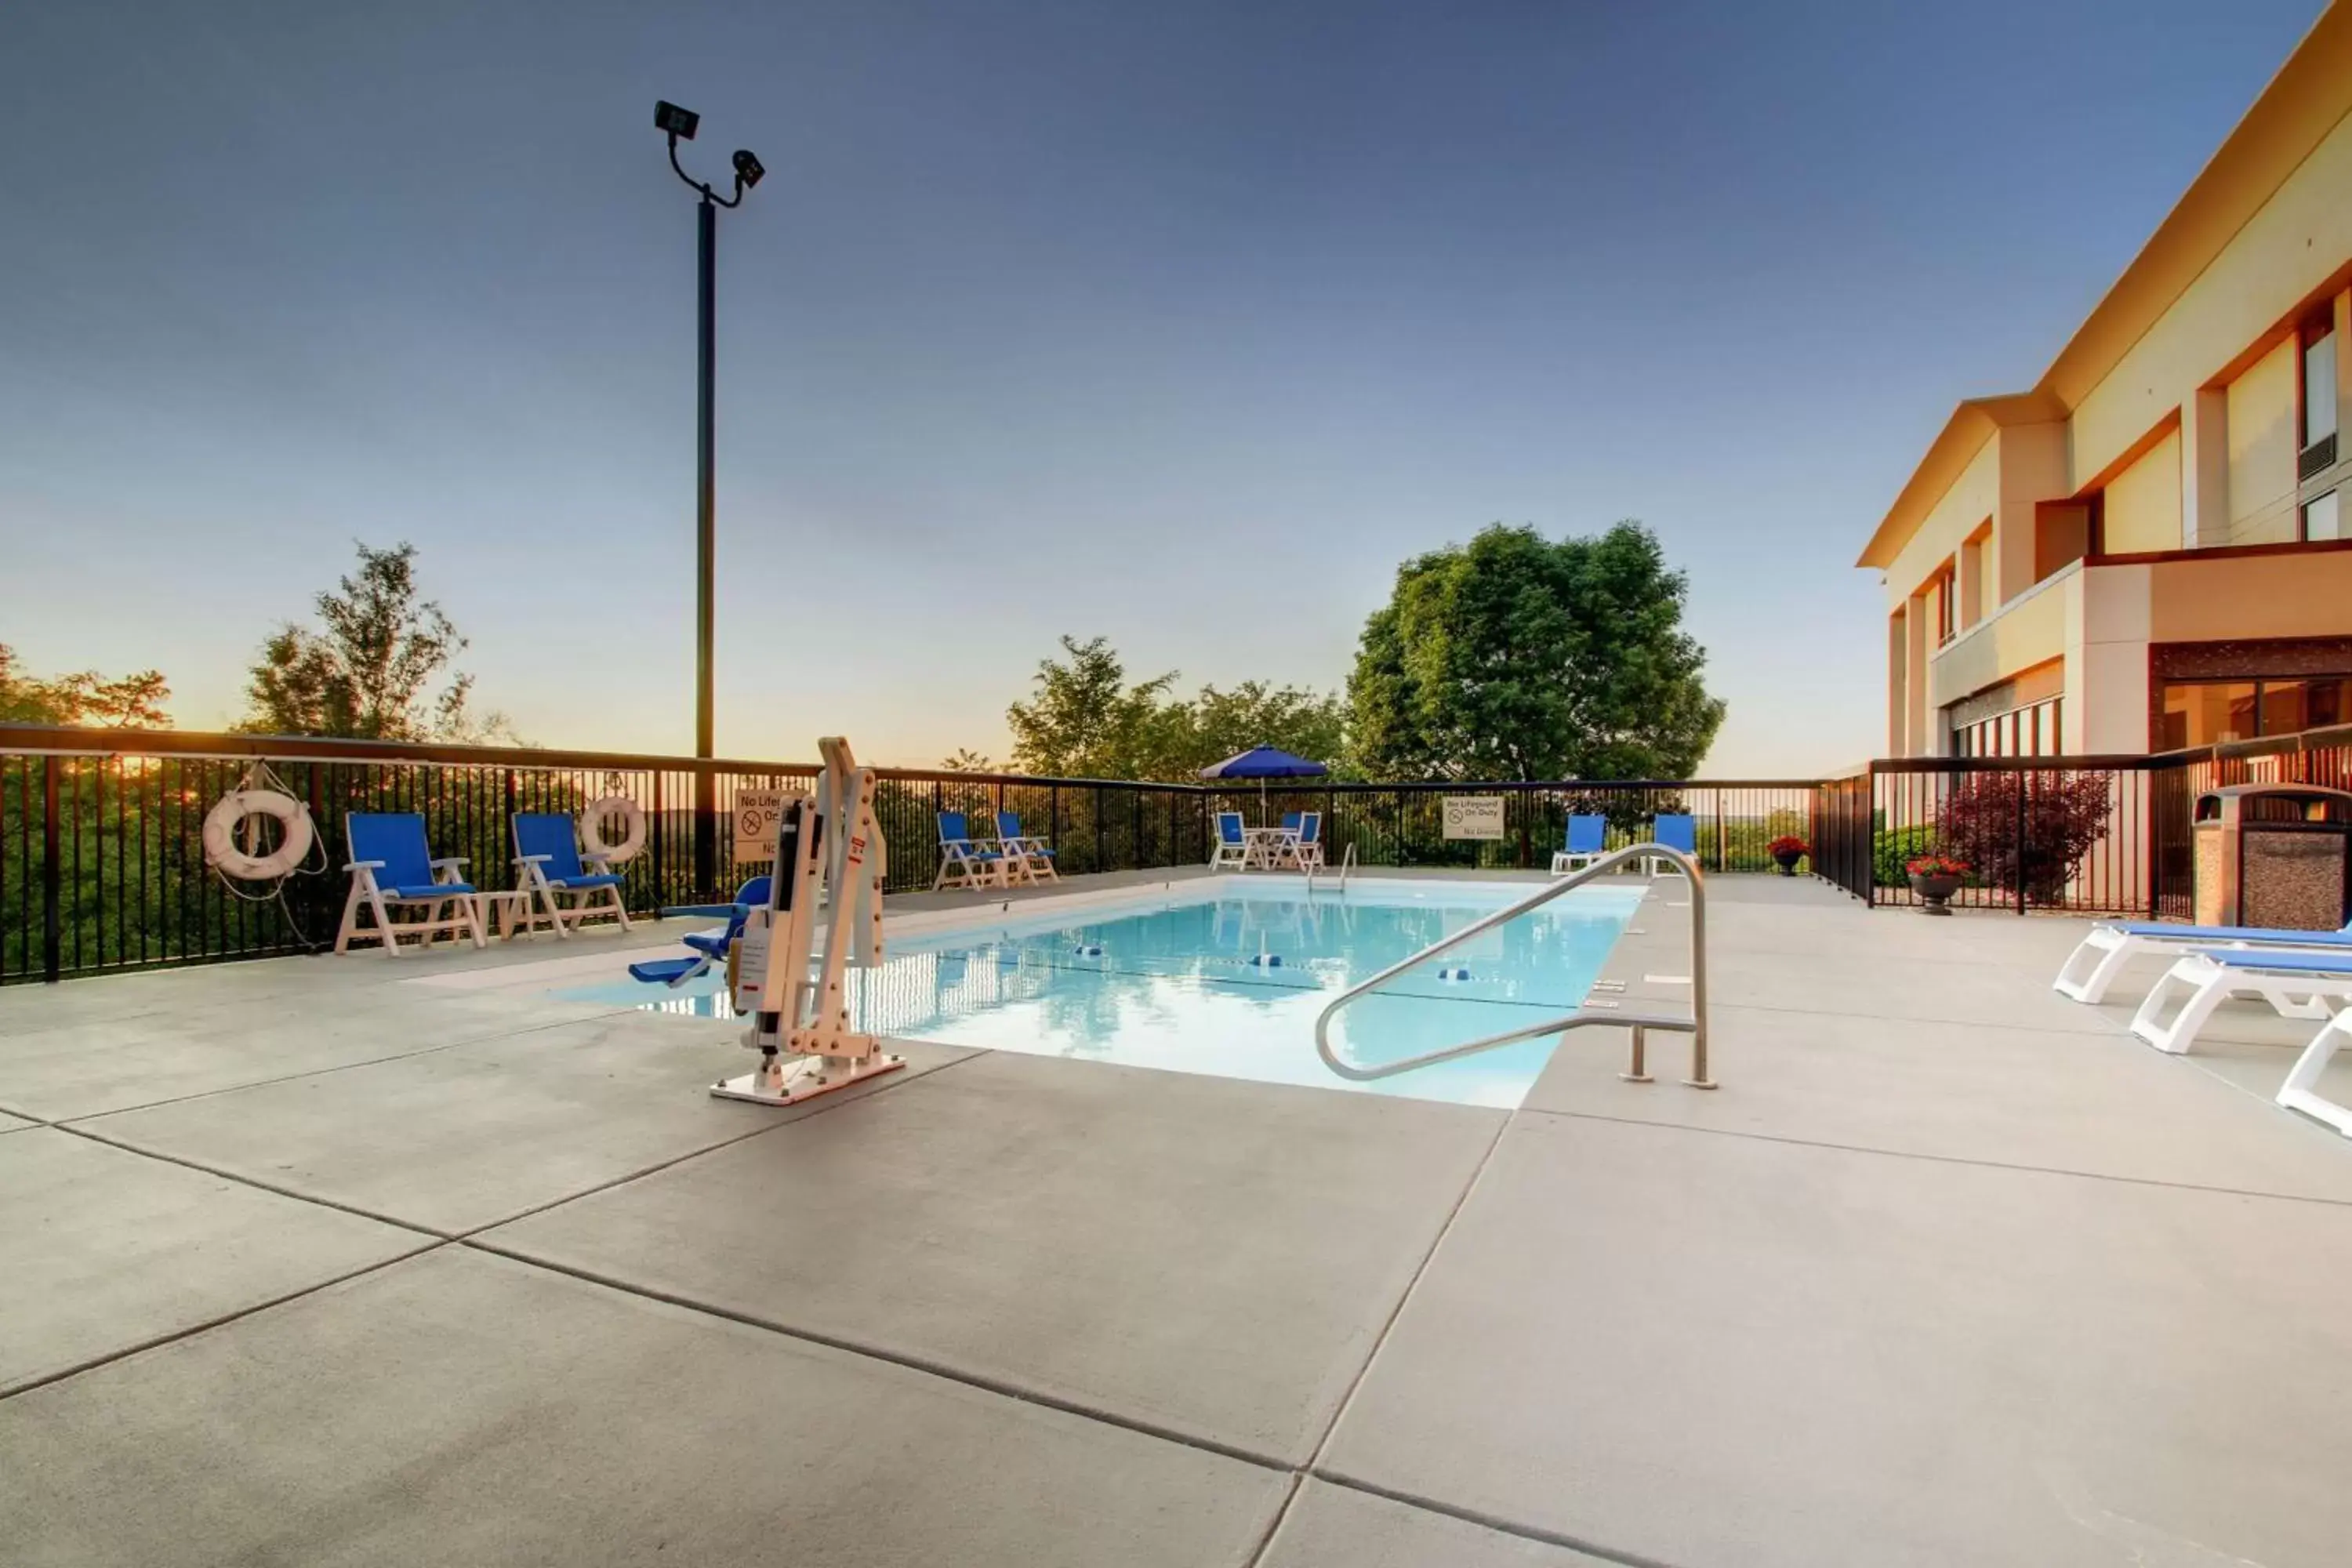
(2301, 1089)
(964, 861)
(1305, 852)
(547, 870)
(1029, 857)
(2298, 985)
(2095, 966)
(1232, 846)
(394, 868)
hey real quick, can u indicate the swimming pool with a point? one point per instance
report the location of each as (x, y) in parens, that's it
(1227, 979)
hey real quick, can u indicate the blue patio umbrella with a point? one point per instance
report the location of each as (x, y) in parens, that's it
(1264, 762)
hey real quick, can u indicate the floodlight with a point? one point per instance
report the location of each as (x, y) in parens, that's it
(747, 168)
(678, 122)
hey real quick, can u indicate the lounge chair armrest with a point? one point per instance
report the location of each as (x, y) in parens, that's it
(532, 859)
(365, 865)
(447, 860)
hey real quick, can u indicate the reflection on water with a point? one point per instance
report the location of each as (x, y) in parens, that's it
(1197, 987)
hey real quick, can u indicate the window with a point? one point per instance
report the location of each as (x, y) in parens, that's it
(2200, 712)
(2318, 384)
(2317, 448)
(2320, 520)
(1948, 605)
(2314, 704)
(2032, 730)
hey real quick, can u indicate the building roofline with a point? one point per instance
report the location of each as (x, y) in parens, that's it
(2309, 96)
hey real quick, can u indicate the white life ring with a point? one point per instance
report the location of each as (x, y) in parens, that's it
(223, 821)
(591, 829)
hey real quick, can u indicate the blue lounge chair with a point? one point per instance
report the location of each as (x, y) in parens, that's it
(965, 862)
(1232, 846)
(1587, 836)
(1675, 830)
(2296, 984)
(1030, 859)
(2095, 966)
(709, 946)
(549, 871)
(392, 867)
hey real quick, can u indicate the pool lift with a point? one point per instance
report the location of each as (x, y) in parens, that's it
(799, 1019)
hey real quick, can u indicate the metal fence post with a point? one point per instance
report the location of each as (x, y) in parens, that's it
(52, 930)
(705, 829)
(2024, 782)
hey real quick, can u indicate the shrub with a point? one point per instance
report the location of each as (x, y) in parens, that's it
(1891, 848)
(2063, 817)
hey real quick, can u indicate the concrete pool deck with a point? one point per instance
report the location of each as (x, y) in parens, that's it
(311, 1263)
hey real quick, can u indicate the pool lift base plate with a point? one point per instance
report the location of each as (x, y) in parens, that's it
(800, 1079)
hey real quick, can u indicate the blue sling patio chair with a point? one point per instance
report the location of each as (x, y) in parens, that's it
(547, 870)
(1587, 836)
(1675, 830)
(392, 867)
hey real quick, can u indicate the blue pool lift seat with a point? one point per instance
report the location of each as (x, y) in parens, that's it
(1586, 842)
(549, 871)
(709, 946)
(392, 867)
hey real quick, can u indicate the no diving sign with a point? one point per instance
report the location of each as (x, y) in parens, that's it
(1473, 816)
(757, 812)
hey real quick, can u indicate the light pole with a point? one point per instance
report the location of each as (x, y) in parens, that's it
(680, 124)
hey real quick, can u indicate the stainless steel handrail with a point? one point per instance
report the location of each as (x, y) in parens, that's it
(1583, 1017)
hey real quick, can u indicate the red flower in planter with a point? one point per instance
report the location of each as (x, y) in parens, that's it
(1936, 865)
(1788, 844)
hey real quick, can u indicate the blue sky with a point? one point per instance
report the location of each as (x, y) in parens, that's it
(1180, 325)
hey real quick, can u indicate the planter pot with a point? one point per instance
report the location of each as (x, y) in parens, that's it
(1787, 863)
(1936, 893)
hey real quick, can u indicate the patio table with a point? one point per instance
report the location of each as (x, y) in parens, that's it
(1264, 846)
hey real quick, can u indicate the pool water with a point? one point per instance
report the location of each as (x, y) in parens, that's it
(1185, 983)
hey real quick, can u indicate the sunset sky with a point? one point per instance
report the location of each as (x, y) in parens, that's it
(1181, 324)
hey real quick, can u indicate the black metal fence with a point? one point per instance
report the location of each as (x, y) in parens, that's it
(102, 867)
(1404, 824)
(101, 852)
(2087, 835)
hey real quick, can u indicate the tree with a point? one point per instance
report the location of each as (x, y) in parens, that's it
(967, 761)
(366, 672)
(1086, 721)
(132, 702)
(2011, 826)
(1305, 724)
(1516, 656)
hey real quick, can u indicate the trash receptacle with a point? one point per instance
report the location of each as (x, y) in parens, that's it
(2273, 855)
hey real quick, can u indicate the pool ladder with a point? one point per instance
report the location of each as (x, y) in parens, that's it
(1347, 864)
(1585, 1016)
